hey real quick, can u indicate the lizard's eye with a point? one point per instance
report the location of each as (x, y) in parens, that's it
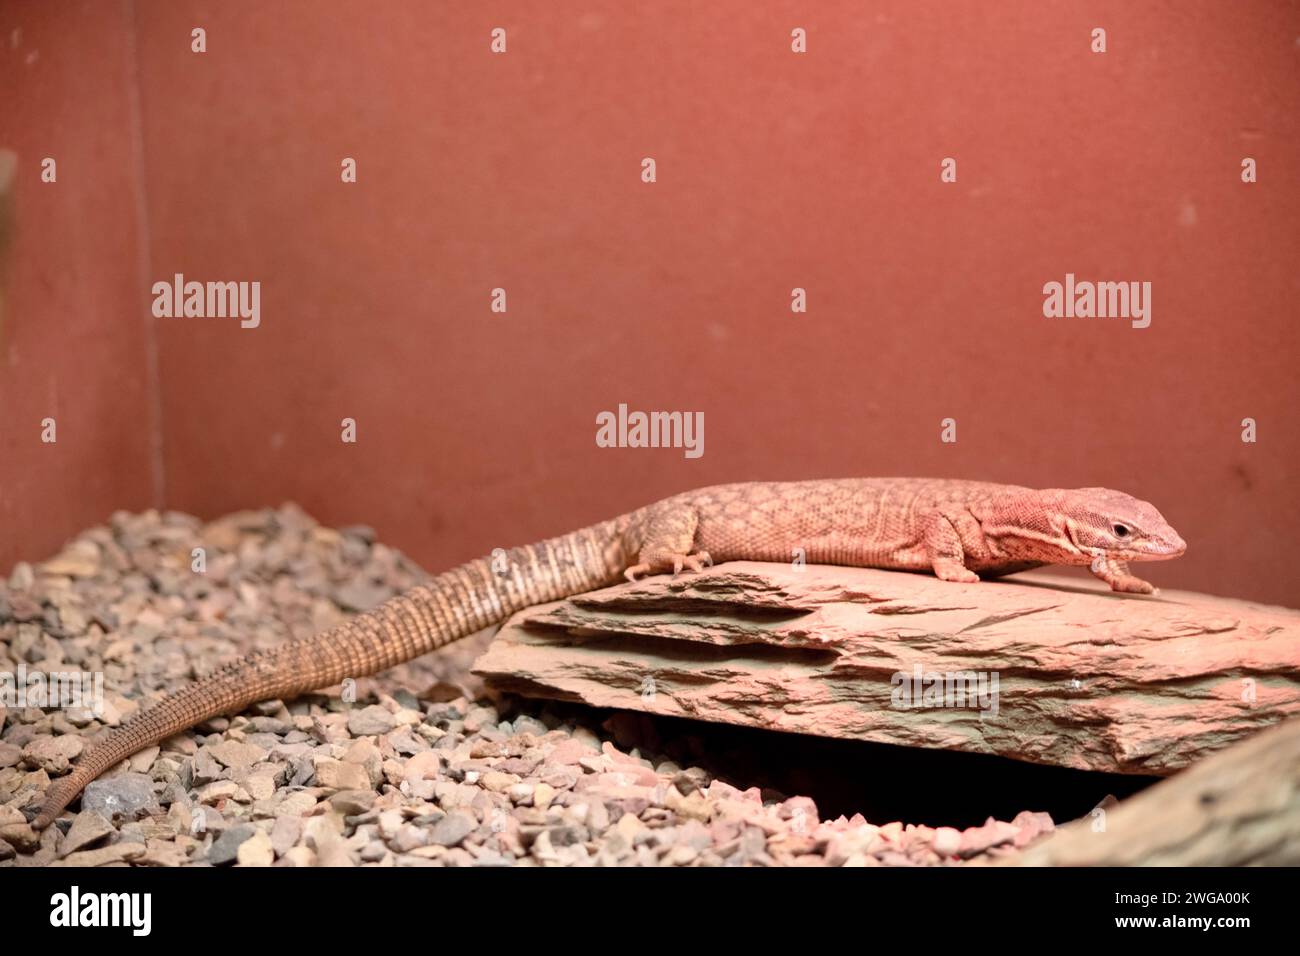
(1121, 530)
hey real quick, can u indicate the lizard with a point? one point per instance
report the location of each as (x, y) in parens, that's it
(959, 530)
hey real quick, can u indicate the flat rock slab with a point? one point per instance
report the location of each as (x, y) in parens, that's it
(1066, 673)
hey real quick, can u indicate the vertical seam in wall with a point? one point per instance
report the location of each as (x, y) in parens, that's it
(144, 259)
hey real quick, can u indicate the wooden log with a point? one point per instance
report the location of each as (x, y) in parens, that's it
(1240, 807)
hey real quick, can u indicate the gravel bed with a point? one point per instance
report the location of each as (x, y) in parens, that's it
(419, 766)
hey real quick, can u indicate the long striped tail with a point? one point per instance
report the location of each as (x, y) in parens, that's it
(453, 605)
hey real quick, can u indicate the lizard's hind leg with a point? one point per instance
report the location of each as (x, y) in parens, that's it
(668, 544)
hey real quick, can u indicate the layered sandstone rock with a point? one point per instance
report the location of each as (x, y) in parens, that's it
(1052, 670)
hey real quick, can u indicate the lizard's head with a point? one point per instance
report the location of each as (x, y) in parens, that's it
(1092, 522)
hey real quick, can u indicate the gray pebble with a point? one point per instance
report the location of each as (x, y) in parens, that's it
(226, 847)
(370, 721)
(452, 829)
(127, 797)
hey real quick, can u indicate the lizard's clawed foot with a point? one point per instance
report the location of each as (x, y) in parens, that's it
(1129, 584)
(696, 562)
(663, 562)
(1115, 574)
(954, 571)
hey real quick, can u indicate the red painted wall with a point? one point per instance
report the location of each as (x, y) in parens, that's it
(75, 341)
(775, 170)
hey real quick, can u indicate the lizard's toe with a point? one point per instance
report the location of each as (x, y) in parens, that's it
(1132, 585)
(698, 561)
(955, 571)
(665, 562)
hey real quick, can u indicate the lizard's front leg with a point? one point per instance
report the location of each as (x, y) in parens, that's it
(668, 542)
(1115, 573)
(943, 547)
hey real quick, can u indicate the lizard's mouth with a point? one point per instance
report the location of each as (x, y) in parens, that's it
(1163, 548)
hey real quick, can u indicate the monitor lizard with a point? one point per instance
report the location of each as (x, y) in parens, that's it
(959, 530)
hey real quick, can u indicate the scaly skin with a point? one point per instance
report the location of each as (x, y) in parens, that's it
(958, 529)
